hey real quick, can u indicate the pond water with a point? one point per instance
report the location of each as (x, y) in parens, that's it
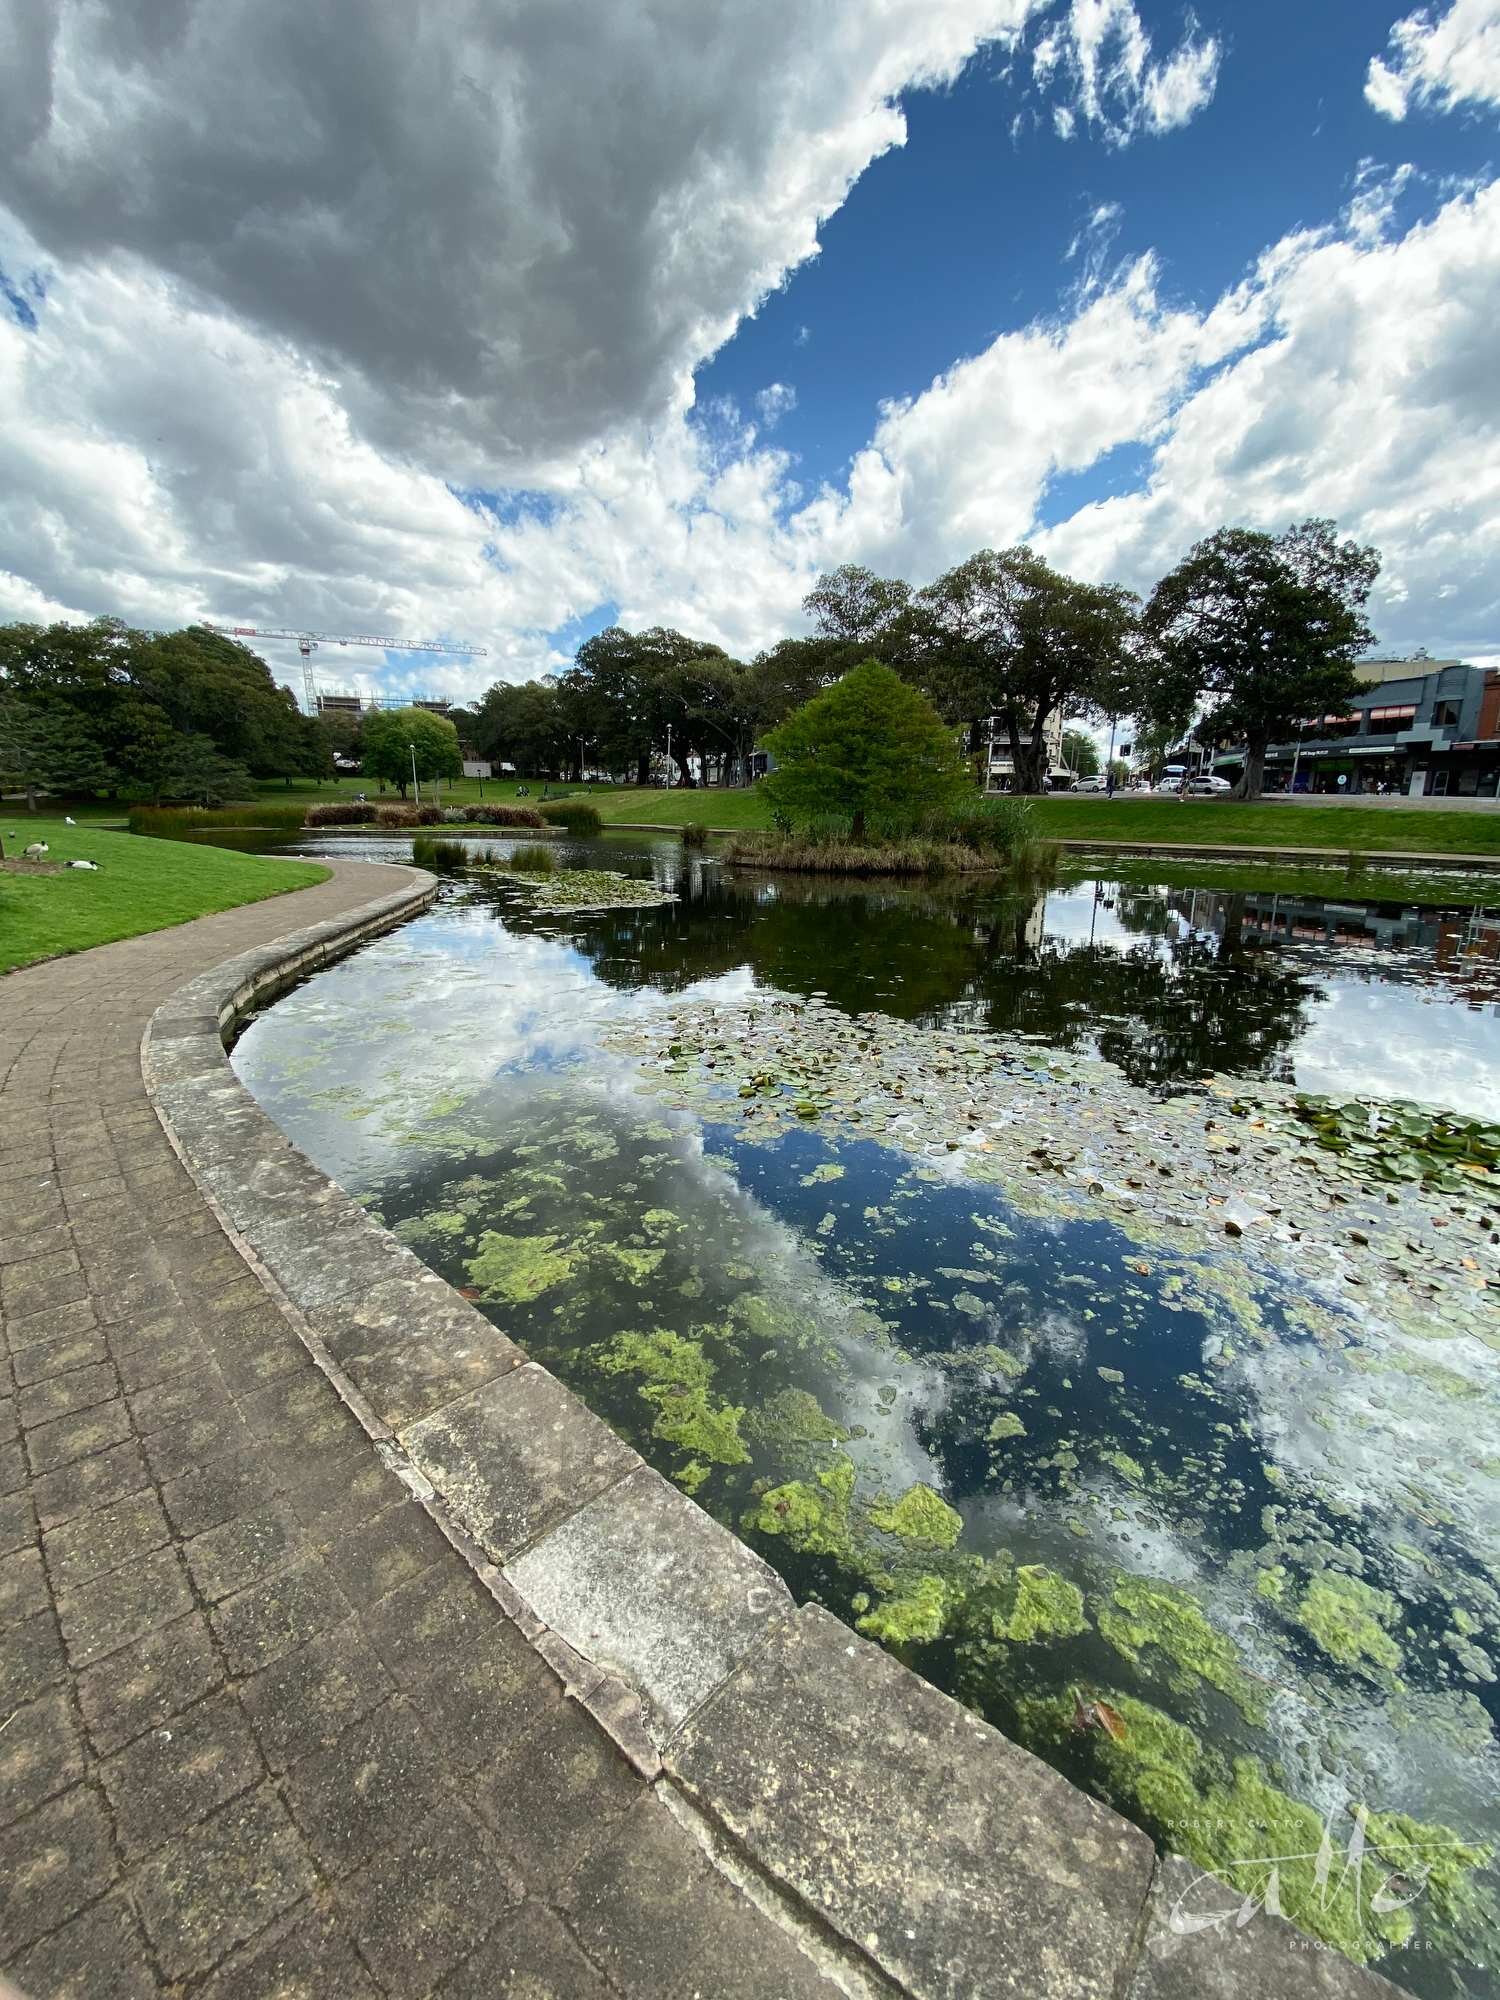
(967, 1252)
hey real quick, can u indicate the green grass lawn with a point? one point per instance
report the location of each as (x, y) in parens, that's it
(1269, 824)
(142, 885)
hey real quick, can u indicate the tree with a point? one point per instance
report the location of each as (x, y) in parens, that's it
(1080, 753)
(48, 746)
(869, 748)
(523, 723)
(855, 606)
(1005, 634)
(1265, 630)
(396, 741)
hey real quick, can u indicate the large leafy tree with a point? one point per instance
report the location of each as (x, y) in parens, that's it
(524, 723)
(855, 607)
(395, 742)
(49, 746)
(1005, 634)
(1263, 630)
(869, 749)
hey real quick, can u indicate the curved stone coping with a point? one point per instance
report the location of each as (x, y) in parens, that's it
(920, 1851)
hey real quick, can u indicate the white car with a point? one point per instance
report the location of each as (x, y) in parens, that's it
(1094, 784)
(1209, 786)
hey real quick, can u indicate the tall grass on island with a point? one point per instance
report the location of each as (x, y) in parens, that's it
(976, 836)
(182, 822)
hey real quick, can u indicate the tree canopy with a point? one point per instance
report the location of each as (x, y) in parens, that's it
(870, 748)
(1264, 629)
(395, 742)
(189, 714)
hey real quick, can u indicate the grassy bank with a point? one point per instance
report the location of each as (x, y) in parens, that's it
(142, 885)
(1371, 830)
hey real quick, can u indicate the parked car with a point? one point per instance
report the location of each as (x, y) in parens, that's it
(1207, 785)
(1097, 783)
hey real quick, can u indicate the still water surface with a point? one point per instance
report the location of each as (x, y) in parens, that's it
(1197, 1484)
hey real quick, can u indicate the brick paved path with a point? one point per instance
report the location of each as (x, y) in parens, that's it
(261, 1731)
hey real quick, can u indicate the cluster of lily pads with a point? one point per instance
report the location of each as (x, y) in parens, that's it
(582, 889)
(1401, 1141)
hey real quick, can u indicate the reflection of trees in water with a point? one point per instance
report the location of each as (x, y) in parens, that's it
(1177, 1005)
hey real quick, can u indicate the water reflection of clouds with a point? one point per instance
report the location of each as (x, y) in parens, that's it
(1400, 1041)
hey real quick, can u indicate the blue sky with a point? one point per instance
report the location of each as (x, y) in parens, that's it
(1097, 273)
(964, 232)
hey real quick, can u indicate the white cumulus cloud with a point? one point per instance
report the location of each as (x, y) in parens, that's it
(1101, 57)
(1439, 62)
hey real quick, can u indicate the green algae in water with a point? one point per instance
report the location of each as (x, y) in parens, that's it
(791, 1417)
(920, 1515)
(1348, 1618)
(812, 1516)
(1047, 1606)
(1006, 1425)
(1143, 1615)
(678, 1375)
(516, 1269)
(917, 1614)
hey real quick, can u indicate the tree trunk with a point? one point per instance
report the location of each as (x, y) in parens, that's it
(857, 829)
(1028, 758)
(643, 768)
(1251, 781)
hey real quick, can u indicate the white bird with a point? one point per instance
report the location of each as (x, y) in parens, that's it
(92, 866)
(69, 822)
(36, 850)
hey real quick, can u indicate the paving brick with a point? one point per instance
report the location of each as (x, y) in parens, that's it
(650, 1908)
(148, 1682)
(92, 1543)
(219, 1492)
(202, 1440)
(198, 1392)
(28, 1329)
(23, 1586)
(158, 1360)
(81, 1435)
(530, 1957)
(310, 1960)
(423, 1623)
(360, 1792)
(172, 1776)
(257, 1625)
(52, 1863)
(41, 1284)
(393, 1548)
(14, 1471)
(306, 1699)
(333, 1492)
(419, 1908)
(18, 1525)
(99, 1952)
(216, 1886)
(301, 1408)
(123, 1605)
(31, 1658)
(553, 1792)
(59, 1395)
(489, 1692)
(90, 1482)
(59, 1355)
(41, 1752)
(241, 1552)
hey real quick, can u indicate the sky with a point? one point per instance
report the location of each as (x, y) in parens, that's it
(503, 320)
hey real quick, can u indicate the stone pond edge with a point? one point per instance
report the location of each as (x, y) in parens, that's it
(908, 1846)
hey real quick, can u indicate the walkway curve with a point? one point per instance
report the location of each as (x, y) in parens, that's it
(344, 1653)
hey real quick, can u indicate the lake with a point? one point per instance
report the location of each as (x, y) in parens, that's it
(980, 1258)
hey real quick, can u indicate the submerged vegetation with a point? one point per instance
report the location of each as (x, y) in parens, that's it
(1152, 1428)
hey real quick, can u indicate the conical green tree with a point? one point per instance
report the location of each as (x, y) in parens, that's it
(869, 748)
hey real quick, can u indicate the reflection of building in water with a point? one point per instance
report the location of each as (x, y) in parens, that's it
(1464, 946)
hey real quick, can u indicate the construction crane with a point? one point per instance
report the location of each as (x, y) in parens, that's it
(307, 644)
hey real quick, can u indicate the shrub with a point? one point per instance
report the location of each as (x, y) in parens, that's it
(533, 859)
(483, 815)
(579, 819)
(1032, 864)
(348, 814)
(694, 833)
(404, 816)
